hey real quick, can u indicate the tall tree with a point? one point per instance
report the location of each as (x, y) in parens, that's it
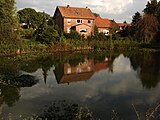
(147, 27)
(31, 17)
(158, 11)
(158, 18)
(7, 11)
(28, 16)
(134, 24)
(136, 18)
(151, 7)
(125, 22)
(7, 19)
(153, 10)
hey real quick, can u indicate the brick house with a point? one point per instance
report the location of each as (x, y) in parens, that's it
(73, 18)
(104, 25)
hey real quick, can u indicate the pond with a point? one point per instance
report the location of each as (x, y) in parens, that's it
(99, 85)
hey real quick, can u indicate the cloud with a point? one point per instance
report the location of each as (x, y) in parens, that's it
(122, 65)
(109, 6)
(119, 10)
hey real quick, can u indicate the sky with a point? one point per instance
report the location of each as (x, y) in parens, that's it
(119, 10)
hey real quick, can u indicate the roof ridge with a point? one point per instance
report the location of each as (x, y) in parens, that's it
(74, 7)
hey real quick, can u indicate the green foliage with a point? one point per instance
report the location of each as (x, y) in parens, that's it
(7, 11)
(50, 35)
(26, 46)
(10, 94)
(7, 47)
(46, 34)
(44, 16)
(7, 32)
(135, 19)
(66, 110)
(126, 44)
(151, 7)
(31, 17)
(101, 36)
(96, 32)
(96, 14)
(7, 20)
(98, 36)
(147, 28)
(25, 33)
(127, 32)
(73, 35)
(158, 12)
(59, 30)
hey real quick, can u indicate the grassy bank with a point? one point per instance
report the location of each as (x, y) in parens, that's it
(21, 46)
(31, 46)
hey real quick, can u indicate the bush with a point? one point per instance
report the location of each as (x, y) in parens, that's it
(25, 33)
(73, 35)
(50, 35)
(47, 34)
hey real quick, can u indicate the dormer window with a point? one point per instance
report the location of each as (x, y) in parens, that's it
(69, 21)
(79, 21)
(89, 21)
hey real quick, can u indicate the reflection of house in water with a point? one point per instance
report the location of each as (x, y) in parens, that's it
(100, 66)
(81, 72)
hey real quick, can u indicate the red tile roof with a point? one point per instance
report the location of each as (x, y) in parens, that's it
(74, 12)
(102, 23)
(123, 24)
(75, 77)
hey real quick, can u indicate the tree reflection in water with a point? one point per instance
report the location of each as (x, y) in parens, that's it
(11, 80)
(10, 88)
(148, 68)
(9, 94)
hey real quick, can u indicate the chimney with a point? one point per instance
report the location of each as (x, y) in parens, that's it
(67, 6)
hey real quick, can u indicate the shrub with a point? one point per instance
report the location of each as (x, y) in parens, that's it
(73, 35)
(25, 33)
(47, 34)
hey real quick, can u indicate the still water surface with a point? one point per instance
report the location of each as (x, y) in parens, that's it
(101, 82)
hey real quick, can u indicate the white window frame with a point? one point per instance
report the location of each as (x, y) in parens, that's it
(106, 32)
(69, 21)
(69, 70)
(68, 30)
